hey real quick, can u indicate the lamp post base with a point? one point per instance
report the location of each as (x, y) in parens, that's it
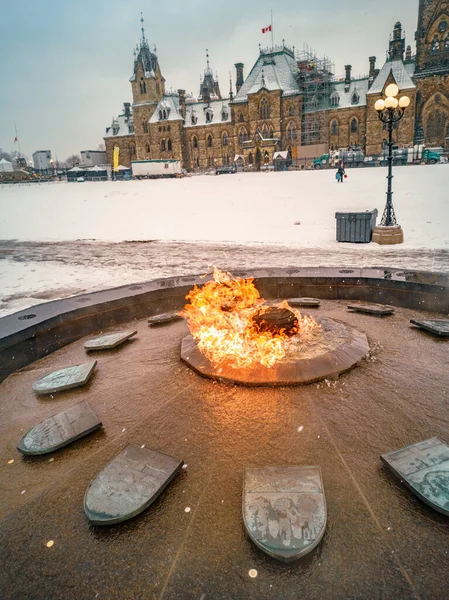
(388, 234)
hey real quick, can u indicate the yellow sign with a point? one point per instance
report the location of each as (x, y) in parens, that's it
(116, 157)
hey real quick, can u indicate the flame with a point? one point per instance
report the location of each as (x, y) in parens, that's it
(221, 318)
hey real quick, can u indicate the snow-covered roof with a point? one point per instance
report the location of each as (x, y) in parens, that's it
(357, 86)
(3, 161)
(401, 74)
(283, 154)
(122, 125)
(74, 170)
(169, 103)
(279, 73)
(217, 109)
(122, 168)
(97, 168)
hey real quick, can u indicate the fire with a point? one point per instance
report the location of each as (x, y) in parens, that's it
(225, 316)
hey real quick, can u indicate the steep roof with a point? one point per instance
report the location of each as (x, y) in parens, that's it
(357, 85)
(169, 104)
(122, 126)
(279, 73)
(199, 110)
(401, 73)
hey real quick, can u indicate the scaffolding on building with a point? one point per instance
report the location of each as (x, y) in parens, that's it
(315, 76)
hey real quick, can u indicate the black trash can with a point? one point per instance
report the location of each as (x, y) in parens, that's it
(355, 227)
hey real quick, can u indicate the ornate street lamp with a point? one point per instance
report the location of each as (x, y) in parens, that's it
(390, 111)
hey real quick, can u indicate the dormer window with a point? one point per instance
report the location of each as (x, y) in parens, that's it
(115, 129)
(335, 99)
(209, 115)
(355, 97)
(224, 115)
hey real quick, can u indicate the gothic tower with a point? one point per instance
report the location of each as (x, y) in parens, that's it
(432, 73)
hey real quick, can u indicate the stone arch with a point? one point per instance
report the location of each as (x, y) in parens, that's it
(334, 127)
(435, 120)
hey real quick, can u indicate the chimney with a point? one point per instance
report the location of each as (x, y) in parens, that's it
(408, 53)
(347, 77)
(182, 103)
(127, 106)
(372, 65)
(239, 73)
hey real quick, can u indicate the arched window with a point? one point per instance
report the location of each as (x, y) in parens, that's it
(164, 112)
(224, 115)
(169, 146)
(435, 47)
(266, 157)
(354, 126)
(335, 99)
(334, 127)
(147, 148)
(271, 132)
(316, 130)
(168, 127)
(225, 139)
(143, 86)
(243, 136)
(194, 117)
(145, 127)
(291, 131)
(162, 145)
(241, 117)
(132, 150)
(209, 115)
(250, 158)
(355, 97)
(264, 131)
(209, 141)
(264, 109)
(161, 116)
(195, 142)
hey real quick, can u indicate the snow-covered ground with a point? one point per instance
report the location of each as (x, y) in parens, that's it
(139, 230)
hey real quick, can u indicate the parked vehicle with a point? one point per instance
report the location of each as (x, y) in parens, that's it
(152, 169)
(432, 155)
(226, 170)
(322, 161)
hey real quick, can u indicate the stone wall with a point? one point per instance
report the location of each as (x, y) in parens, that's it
(125, 143)
(346, 133)
(432, 110)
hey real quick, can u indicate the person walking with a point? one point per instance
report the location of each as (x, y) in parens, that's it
(340, 174)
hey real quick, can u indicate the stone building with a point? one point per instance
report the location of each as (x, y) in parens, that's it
(289, 101)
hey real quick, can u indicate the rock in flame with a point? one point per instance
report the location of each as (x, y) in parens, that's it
(220, 317)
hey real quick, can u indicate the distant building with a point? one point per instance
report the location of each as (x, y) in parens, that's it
(41, 160)
(5, 166)
(93, 157)
(289, 102)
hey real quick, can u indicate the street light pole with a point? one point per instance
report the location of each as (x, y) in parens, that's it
(390, 111)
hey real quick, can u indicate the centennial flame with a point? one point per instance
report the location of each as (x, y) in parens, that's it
(221, 318)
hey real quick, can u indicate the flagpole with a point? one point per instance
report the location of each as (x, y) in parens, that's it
(17, 136)
(272, 45)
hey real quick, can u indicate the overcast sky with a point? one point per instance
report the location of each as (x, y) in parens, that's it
(65, 65)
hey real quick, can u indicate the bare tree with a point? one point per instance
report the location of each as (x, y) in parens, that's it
(72, 161)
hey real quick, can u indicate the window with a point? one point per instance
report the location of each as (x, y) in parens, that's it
(195, 142)
(169, 145)
(147, 148)
(264, 131)
(243, 136)
(162, 145)
(209, 141)
(354, 126)
(161, 116)
(132, 150)
(145, 127)
(164, 113)
(435, 47)
(266, 157)
(194, 118)
(158, 89)
(335, 99)
(115, 129)
(355, 97)
(334, 128)
(250, 158)
(168, 127)
(241, 118)
(209, 115)
(143, 87)
(225, 139)
(224, 115)
(291, 131)
(271, 132)
(446, 43)
(264, 109)
(291, 111)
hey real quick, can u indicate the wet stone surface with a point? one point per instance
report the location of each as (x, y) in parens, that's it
(379, 310)
(438, 327)
(59, 430)
(284, 510)
(64, 379)
(381, 542)
(128, 484)
(424, 468)
(109, 340)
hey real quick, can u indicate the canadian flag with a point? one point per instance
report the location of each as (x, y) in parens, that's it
(15, 140)
(266, 29)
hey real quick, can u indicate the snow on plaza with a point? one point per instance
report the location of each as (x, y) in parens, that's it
(62, 239)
